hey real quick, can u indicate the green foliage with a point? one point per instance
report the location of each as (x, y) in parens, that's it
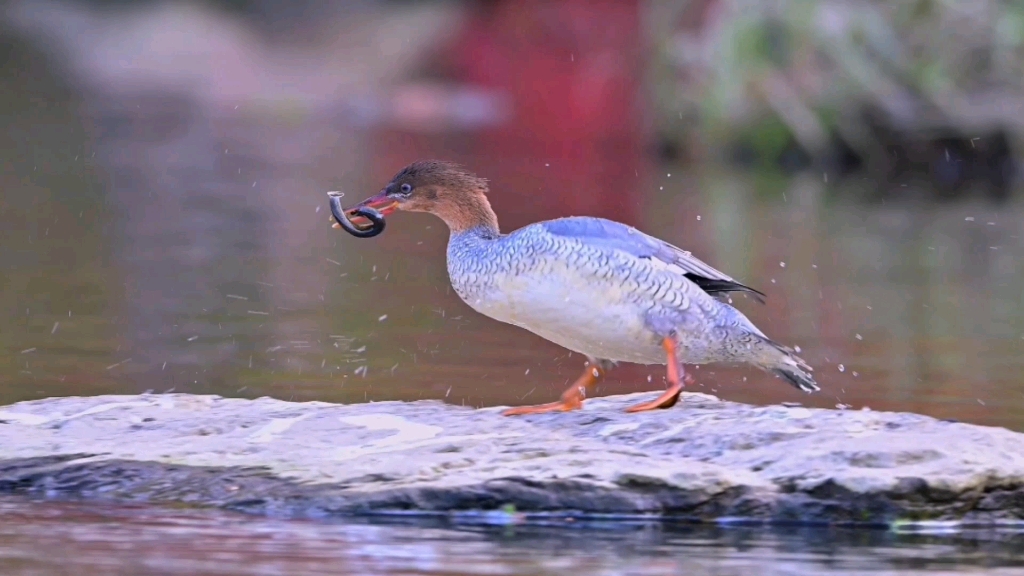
(769, 137)
(839, 56)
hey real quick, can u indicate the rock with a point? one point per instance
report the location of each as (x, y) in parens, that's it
(705, 459)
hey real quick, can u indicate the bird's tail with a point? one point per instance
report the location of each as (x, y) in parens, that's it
(784, 363)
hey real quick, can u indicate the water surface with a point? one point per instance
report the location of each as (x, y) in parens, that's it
(54, 538)
(153, 244)
(907, 306)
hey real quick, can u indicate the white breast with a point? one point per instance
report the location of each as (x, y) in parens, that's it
(578, 313)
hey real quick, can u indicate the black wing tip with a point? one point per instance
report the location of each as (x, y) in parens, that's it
(713, 287)
(757, 295)
(799, 380)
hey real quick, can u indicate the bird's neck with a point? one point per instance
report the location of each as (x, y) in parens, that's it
(472, 215)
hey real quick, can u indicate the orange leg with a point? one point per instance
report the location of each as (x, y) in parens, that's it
(572, 398)
(676, 378)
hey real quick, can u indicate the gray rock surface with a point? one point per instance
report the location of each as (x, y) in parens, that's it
(706, 459)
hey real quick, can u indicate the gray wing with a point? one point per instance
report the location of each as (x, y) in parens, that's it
(615, 236)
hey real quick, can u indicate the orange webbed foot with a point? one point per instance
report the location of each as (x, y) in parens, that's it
(676, 378)
(572, 399)
(668, 399)
(560, 406)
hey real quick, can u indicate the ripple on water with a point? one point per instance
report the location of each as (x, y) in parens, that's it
(42, 538)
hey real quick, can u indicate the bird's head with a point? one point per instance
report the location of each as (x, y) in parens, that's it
(444, 189)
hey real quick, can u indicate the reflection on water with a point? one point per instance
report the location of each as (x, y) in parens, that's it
(902, 307)
(70, 538)
(148, 245)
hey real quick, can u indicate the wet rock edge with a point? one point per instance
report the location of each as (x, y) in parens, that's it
(257, 491)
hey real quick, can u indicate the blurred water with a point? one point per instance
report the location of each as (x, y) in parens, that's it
(69, 538)
(165, 250)
(155, 241)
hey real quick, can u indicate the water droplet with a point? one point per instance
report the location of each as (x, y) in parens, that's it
(782, 264)
(698, 216)
(969, 219)
(858, 337)
(842, 368)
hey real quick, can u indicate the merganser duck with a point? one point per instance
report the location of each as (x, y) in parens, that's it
(597, 287)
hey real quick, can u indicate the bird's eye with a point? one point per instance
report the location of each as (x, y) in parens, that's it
(406, 188)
